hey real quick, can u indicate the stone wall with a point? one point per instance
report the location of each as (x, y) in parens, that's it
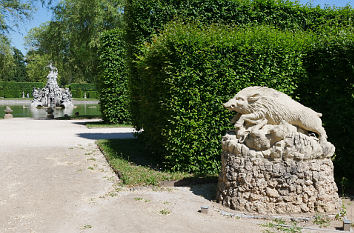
(271, 181)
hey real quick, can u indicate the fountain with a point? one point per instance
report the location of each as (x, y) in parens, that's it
(52, 95)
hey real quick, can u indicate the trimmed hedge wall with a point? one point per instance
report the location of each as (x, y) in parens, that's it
(112, 81)
(330, 88)
(189, 71)
(78, 90)
(15, 89)
(147, 17)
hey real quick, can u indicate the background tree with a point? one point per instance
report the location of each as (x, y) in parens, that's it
(19, 73)
(6, 59)
(35, 68)
(12, 12)
(71, 38)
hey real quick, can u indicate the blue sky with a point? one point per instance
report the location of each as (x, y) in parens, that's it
(42, 15)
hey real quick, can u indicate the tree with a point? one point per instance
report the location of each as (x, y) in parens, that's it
(36, 64)
(19, 73)
(6, 59)
(12, 12)
(71, 38)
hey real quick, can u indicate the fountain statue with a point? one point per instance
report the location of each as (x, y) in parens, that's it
(52, 95)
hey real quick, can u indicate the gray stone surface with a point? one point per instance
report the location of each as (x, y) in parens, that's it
(272, 162)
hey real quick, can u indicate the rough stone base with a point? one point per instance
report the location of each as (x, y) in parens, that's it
(263, 185)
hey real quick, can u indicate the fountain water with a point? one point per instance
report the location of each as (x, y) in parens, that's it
(52, 95)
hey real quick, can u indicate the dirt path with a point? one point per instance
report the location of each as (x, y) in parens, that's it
(54, 179)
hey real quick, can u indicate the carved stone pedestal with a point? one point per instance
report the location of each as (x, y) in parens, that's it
(8, 116)
(271, 181)
(277, 159)
(8, 113)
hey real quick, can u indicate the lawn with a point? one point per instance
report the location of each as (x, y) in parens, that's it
(102, 124)
(135, 166)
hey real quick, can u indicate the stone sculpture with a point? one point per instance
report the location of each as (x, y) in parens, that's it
(277, 159)
(52, 95)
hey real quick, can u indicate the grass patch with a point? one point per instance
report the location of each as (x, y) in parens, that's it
(86, 226)
(321, 221)
(102, 124)
(85, 99)
(134, 165)
(165, 212)
(279, 225)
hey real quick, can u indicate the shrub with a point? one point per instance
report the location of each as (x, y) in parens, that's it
(189, 71)
(15, 89)
(330, 88)
(145, 18)
(112, 81)
(78, 90)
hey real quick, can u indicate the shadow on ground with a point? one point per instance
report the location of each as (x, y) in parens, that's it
(98, 136)
(133, 150)
(98, 121)
(201, 186)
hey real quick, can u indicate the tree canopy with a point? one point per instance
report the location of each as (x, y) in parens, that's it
(70, 40)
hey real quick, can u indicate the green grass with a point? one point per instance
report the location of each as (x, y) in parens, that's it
(279, 225)
(134, 165)
(87, 99)
(165, 212)
(321, 220)
(103, 124)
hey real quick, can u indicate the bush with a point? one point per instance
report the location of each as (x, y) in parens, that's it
(330, 88)
(112, 81)
(189, 71)
(78, 90)
(16, 89)
(145, 18)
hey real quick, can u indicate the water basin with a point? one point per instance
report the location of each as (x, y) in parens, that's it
(25, 110)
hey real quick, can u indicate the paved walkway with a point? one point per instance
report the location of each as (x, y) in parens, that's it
(54, 179)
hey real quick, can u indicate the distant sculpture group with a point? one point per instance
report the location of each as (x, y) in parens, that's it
(52, 95)
(277, 159)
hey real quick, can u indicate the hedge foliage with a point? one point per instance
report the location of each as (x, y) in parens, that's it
(78, 90)
(330, 88)
(189, 71)
(112, 81)
(16, 89)
(145, 18)
(178, 80)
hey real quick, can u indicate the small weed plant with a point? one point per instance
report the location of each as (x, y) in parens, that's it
(321, 221)
(165, 212)
(342, 213)
(279, 225)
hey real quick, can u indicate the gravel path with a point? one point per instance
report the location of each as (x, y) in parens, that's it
(54, 179)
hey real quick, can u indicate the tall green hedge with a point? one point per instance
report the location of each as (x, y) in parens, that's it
(16, 89)
(189, 71)
(145, 18)
(112, 81)
(330, 88)
(78, 90)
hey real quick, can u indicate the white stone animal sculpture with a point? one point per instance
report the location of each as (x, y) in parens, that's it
(256, 103)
